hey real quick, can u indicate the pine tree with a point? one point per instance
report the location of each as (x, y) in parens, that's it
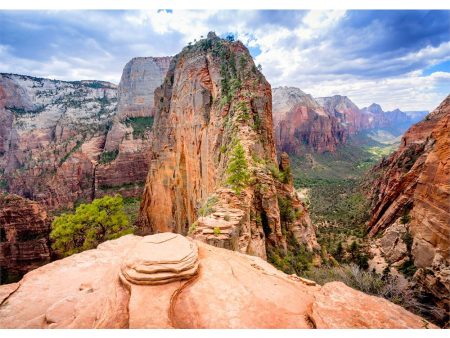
(90, 225)
(238, 174)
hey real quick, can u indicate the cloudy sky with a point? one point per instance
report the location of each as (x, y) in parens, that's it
(395, 58)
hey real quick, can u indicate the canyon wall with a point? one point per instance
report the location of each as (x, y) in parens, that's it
(412, 191)
(301, 123)
(24, 231)
(214, 102)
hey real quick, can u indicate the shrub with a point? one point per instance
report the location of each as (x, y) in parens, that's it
(405, 219)
(90, 225)
(140, 125)
(217, 231)
(192, 228)
(238, 173)
(208, 207)
(108, 156)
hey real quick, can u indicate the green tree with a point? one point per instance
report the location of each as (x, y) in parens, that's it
(238, 174)
(90, 225)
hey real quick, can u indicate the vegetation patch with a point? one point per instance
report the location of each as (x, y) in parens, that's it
(108, 156)
(90, 225)
(140, 125)
(208, 208)
(238, 173)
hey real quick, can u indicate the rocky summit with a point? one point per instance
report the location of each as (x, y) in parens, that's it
(219, 292)
(410, 197)
(214, 172)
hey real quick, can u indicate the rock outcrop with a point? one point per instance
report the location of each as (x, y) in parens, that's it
(24, 230)
(228, 290)
(301, 123)
(214, 102)
(413, 189)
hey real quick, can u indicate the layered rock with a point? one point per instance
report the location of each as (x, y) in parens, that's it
(230, 290)
(24, 245)
(347, 113)
(413, 188)
(49, 121)
(301, 123)
(212, 101)
(66, 142)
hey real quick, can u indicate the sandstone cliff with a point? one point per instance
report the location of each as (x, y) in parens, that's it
(301, 123)
(24, 230)
(411, 196)
(212, 102)
(348, 114)
(169, 281)
(66, 142)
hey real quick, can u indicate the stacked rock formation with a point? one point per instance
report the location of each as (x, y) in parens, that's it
(24, 245)
(231, 290)
(411, 195)
(154, 262)
(212, 101)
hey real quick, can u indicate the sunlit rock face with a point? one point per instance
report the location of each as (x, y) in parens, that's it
(212, 99)
(199, 286)
(413, 188)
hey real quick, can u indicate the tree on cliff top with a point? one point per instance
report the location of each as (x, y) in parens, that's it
(238, 174)
(90, 225)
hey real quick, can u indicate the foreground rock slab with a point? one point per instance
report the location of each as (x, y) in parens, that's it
(228, 290)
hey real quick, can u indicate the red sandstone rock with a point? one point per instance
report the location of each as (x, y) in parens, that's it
(415, 181)
(230, 290)
(24, 244)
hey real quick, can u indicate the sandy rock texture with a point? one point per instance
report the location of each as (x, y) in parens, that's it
(228, 290)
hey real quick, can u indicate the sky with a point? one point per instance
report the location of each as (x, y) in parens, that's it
(399, 59)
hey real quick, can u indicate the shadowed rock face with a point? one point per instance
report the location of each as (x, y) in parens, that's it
(300, 123)
(228, 290)
(24, 244)
(213, 98)
(413, 183)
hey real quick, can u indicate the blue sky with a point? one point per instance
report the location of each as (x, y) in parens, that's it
(395, 58)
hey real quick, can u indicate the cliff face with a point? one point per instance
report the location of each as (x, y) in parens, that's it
(49, 124)
(300, 123)
(212, 102)
(347, 113)
(24, 245)
(63, 142)
(130, 135)
(413, 189)
(168, 281)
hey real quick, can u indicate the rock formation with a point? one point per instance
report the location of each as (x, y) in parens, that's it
(24, 230)
(226, 290)
(412, 191)
(301, 123)
(65, 142)
(348, 114)
(214, 102)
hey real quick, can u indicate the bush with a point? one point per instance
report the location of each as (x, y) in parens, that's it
(108, 156)
(217, 231)
(208, 207)
(238, 174)
(90, 225)
(140, 125)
